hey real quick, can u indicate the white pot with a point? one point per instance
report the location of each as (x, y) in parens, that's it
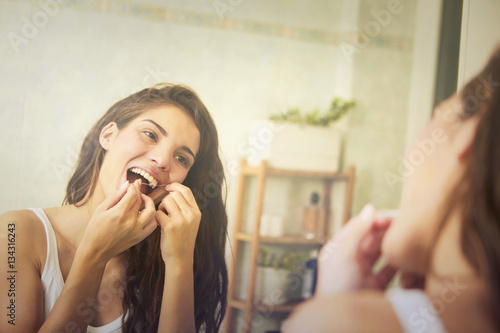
(271, 285)
(291, 146)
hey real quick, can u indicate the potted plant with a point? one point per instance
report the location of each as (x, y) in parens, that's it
(297, 140)
(274, 281)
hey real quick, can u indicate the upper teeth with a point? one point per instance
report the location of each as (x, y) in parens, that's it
(152, 182)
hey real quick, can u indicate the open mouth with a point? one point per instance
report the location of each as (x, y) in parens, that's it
(149, 183)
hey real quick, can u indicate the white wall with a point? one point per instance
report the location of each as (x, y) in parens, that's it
(257, 58)
(246, 63)
(480, 36)
(253, 60)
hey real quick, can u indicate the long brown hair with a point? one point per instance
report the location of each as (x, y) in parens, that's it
(478, 192)
(145, 270)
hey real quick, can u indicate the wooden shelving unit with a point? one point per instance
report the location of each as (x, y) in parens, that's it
(248, 306)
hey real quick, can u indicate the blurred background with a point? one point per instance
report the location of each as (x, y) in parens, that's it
(64, 63)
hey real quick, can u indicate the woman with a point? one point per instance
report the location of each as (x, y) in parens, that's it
(445, 241)
(139, 243)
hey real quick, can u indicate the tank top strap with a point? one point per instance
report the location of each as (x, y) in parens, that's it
(415, 311)
(51, 278)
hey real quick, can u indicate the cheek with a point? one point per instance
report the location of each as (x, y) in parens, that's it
(130, 142)
(178, 174)
(426, 158)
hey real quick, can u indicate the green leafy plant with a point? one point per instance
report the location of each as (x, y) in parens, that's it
(289, 261)
(338, 109)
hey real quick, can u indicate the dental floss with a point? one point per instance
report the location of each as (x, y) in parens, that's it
(156, 185)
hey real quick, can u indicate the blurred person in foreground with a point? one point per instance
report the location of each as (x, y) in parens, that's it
(444, 243)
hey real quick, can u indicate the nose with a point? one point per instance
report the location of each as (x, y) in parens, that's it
(161, 157)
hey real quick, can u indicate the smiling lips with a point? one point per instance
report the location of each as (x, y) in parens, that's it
(152, 181)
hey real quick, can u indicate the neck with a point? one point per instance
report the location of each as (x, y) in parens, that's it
(81, 215)
(451, 282)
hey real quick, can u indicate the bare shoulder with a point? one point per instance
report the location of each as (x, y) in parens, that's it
(23, 247)
(24, 230)
(363, 311)
(25, 221)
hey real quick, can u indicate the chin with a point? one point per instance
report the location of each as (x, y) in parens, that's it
(393, 248)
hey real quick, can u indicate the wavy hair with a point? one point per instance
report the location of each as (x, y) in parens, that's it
(477, 193)
(144, 268)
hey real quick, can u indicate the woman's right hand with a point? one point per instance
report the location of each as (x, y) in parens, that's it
(346, 261)
(118, 224)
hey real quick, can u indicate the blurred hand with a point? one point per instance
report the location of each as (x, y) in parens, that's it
(346, 261)
(117, 224)
(179, 218)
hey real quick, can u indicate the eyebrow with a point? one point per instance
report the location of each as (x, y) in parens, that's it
(162, 130)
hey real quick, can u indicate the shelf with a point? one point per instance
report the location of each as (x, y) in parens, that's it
(281, 240)
(253, 171)
(252, 238)
(269, 308)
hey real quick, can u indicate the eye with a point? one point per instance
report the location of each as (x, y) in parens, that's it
(182, 160)
(151, 135)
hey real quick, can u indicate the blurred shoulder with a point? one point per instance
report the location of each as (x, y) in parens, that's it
(362, 311)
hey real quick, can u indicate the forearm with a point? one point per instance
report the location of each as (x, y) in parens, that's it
(177, 309)
(71, 310)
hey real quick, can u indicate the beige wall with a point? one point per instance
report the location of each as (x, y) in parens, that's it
(257, 58)
(480, 36)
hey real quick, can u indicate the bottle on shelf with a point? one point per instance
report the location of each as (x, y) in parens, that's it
(309, 275)
(312, 219)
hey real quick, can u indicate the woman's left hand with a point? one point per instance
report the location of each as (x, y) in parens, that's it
(179, 219)
(346, 262)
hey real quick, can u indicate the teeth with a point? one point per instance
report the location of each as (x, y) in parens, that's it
(152, 182)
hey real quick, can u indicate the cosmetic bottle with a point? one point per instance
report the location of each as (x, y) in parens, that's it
(311, 218)
(309, 275)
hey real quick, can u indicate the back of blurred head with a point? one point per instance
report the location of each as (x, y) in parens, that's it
(479, 190)
(451, 200)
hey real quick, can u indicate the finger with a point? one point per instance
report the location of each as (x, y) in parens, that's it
(161, 206)
(349, 238)
(149, 228)
(137, 205)
(359, 227)
(382, 222)
(185, 191)
(357, 224)
(369, 249)
(115, 197)
(147, 214)
(162, 219)
(129, 199)
(170, 206)
(372, 240)
(180, 200)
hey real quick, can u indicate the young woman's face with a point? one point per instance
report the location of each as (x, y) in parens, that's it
(431, 170)
(159, 147)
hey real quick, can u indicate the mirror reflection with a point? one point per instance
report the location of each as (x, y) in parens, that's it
(242, 135)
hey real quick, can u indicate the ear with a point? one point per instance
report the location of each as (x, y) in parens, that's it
(108, 135)
(465, 136)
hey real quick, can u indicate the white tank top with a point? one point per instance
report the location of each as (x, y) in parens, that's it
(415, 311)
(53, 282)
